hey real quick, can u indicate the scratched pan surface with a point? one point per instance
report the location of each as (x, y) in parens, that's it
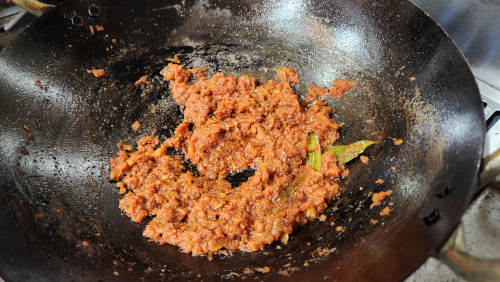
(60, 220)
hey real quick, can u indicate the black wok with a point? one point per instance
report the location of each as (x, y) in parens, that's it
(60, 219)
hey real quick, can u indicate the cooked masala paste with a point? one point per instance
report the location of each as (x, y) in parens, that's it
(230, 125)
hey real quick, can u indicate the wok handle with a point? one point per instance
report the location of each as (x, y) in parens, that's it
(454, 252)
(490, 170)
(472, 268)
(34, 7)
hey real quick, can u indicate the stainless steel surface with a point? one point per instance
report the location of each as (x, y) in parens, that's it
(13, 20)
(491, 98)
(474, 25)
(482, 232)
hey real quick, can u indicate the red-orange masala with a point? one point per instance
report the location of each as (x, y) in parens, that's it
(230, 124)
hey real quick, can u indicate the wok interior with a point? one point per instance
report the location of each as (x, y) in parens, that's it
(82, 233)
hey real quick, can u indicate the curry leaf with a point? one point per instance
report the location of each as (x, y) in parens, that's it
(346, 153)
(314, 156)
